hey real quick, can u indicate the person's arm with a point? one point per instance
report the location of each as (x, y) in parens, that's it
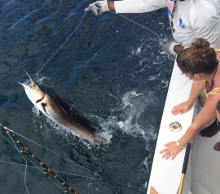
(171, 47)
(138, 6)
(111, 5)
(204, 117)
(196, 90)
(128, 6)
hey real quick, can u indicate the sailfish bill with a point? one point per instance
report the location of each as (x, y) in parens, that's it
(61, 110)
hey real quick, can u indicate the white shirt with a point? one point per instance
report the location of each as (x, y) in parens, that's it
(192, 18)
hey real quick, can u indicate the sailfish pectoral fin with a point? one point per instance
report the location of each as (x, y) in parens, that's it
(44, 107)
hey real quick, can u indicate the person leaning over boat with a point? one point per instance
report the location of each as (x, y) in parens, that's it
(200, 63)
(188, 19)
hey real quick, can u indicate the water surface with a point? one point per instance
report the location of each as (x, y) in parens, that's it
(114, 72)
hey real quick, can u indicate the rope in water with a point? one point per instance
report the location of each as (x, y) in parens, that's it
(24, 150)
(46, 169)
(25, 171)
(67, 173)
(51, 151)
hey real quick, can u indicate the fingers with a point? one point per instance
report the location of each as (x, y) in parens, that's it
(181, 108)
(90, 7)
(170, 151)
(181, 112)
(168, 154)
(87, 9)
(166, 149)
(167, 144)
(162, 151)
(93, 7)
(178, 109)
(175, 110)
(174, 155)
(163, 42)
(95, 10)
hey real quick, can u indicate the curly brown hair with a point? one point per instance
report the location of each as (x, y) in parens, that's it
(198, 58)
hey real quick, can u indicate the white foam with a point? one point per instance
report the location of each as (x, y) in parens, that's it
(132, 107)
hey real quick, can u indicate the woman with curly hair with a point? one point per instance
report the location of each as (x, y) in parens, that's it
(201, 64)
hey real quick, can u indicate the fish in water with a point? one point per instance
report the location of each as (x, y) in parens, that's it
(61, 110)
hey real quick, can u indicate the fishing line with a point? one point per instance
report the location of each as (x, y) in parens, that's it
(25, 171)
(55, 54)
(24, 150)
(52, 151)
(61, 172)
(28, 158)
(62, 44)
(100, 178)
(138, 25)
(80, 24)
(103, 179)
(36, 77)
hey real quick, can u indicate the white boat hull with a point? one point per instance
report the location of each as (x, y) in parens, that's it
(166, 174)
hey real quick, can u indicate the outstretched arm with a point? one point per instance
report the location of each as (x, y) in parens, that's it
(131, 6)
(196, 90)
(205, 116)
(111, 5)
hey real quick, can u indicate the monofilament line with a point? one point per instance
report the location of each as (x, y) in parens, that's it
(25, 171)
(51, 151)
(61, 172)
(138, 24)
(62, 44)
(80, 24)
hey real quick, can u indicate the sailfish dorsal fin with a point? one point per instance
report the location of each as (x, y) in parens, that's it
(68, 107)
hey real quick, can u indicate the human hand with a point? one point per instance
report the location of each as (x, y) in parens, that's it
(168, 46)
(98, 7)
(171, 151)
(181, 108)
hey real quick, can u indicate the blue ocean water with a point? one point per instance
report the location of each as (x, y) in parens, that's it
(114, 72)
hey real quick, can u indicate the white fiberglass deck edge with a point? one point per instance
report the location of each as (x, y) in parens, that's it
(166, 174)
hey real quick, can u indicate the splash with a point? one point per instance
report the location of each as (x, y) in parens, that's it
(133, 107)
(126, 117)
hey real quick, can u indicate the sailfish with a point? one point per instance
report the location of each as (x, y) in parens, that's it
(61, 110)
